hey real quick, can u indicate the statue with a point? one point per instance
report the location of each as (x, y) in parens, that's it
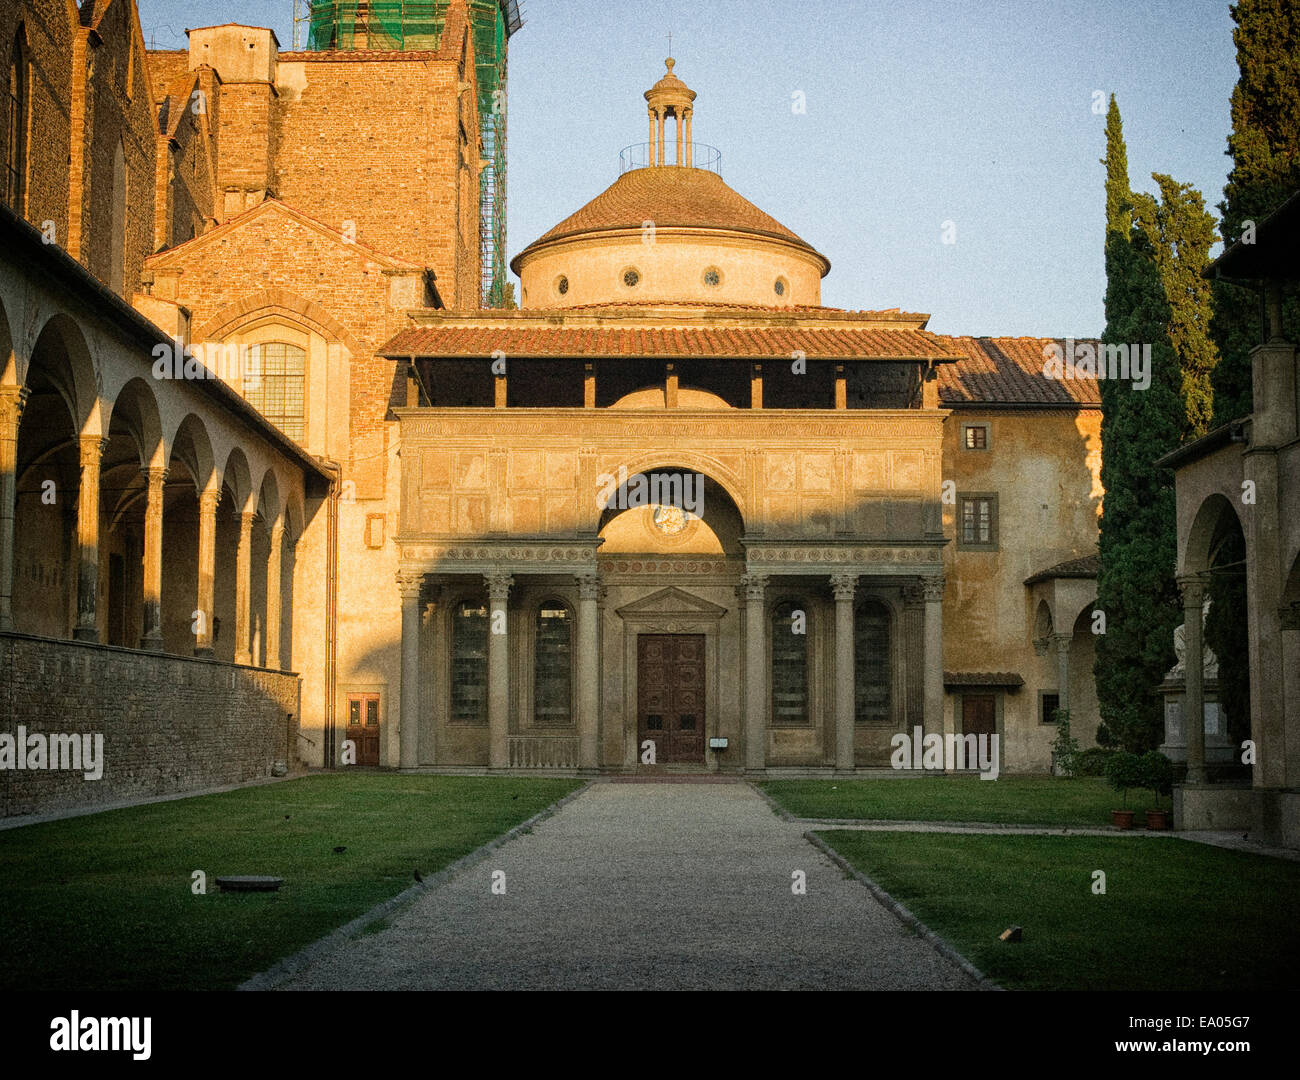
(1209, 662)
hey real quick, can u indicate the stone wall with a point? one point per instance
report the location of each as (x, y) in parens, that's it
(170, 724)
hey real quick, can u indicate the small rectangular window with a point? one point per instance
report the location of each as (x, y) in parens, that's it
(977, 522)
(1048, 704)
(975, 436)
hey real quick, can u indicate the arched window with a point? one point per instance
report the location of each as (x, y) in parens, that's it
(274, 383)
(16, 143)
(871, 667)
(553, 667)
(469, 660)
(790, 663)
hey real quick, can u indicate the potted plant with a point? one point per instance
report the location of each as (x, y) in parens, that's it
(1122, 770)
(1158, 778)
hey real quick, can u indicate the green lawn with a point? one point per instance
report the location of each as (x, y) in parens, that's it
(1010, 800)
(105, 902)
(1176, 915)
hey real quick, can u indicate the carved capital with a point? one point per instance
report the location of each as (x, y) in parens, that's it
(155, 476)
(1193, 589)
(588, 586)
(755, 585)
(1062, 642)
(843, 587)
(92, 449)
(12, 400)
(913, 595)
(932, 586)
(208, 501)
(498, 586)
(409, 583)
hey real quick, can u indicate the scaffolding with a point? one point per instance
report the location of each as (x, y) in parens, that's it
(417, 24)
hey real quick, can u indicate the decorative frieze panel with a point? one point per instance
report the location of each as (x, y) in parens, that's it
(862, 559)
(429, 557)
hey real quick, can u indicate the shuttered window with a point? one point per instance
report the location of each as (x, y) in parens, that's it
(789, 664)
(469, 661)
(553, 667)
(871, 666)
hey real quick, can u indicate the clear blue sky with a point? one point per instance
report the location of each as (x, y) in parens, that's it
(917, 113)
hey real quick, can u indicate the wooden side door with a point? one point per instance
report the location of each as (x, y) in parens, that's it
(670, 696)
(978, 715)
(363, 727)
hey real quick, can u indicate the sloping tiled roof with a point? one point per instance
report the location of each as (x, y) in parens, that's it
(982, 678)
(1009, 371)
(671, 197)
(731, 341)
(1086, 567)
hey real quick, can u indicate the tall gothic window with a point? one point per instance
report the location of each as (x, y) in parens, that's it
(871, 667)
(469, 660)
(275, 384)
(16, 143)
(553, 667)
(789, 663)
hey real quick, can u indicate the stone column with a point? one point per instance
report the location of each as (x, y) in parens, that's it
(659, 135)
(408, 722)
(677, 124)
(498, 670)
(755, 586)
(690, 153)
(588, 671)
(92, 450)
(1062, 643)
(12, 400)
(152, 638)
(933, 676)
(843, 587)
(274, 568)
(207, 570)
(244, 589)
(653, 158)
(1193, 590)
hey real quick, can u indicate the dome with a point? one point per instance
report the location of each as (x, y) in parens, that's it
(671, 197)
(669, 233)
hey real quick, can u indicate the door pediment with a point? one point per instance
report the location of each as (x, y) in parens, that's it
(671, 601)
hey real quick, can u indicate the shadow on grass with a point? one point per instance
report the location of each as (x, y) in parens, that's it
(106, 901)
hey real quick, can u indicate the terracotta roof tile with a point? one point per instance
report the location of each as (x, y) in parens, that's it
(1009, 371)
(670, 197)
(738, 341)
(1086, 567)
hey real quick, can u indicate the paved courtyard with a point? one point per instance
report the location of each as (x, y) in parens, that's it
(655, 886)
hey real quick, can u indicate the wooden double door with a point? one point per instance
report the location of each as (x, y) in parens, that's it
(670, 696)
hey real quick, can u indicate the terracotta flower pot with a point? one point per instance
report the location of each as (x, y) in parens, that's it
(1157, 819)
(1122, 819)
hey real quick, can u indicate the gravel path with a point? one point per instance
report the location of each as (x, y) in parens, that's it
(644, 886)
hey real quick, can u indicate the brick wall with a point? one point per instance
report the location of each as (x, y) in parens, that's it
(377, 142)
(119, 108)
(49, 37)
(170, 724)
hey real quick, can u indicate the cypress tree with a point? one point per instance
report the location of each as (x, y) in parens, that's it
(1265, 151)
(1135, 583)
(1180, 233)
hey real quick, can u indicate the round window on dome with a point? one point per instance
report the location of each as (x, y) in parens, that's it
(562, 285)
(631, 278)
(780, 286)
(712, 277)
